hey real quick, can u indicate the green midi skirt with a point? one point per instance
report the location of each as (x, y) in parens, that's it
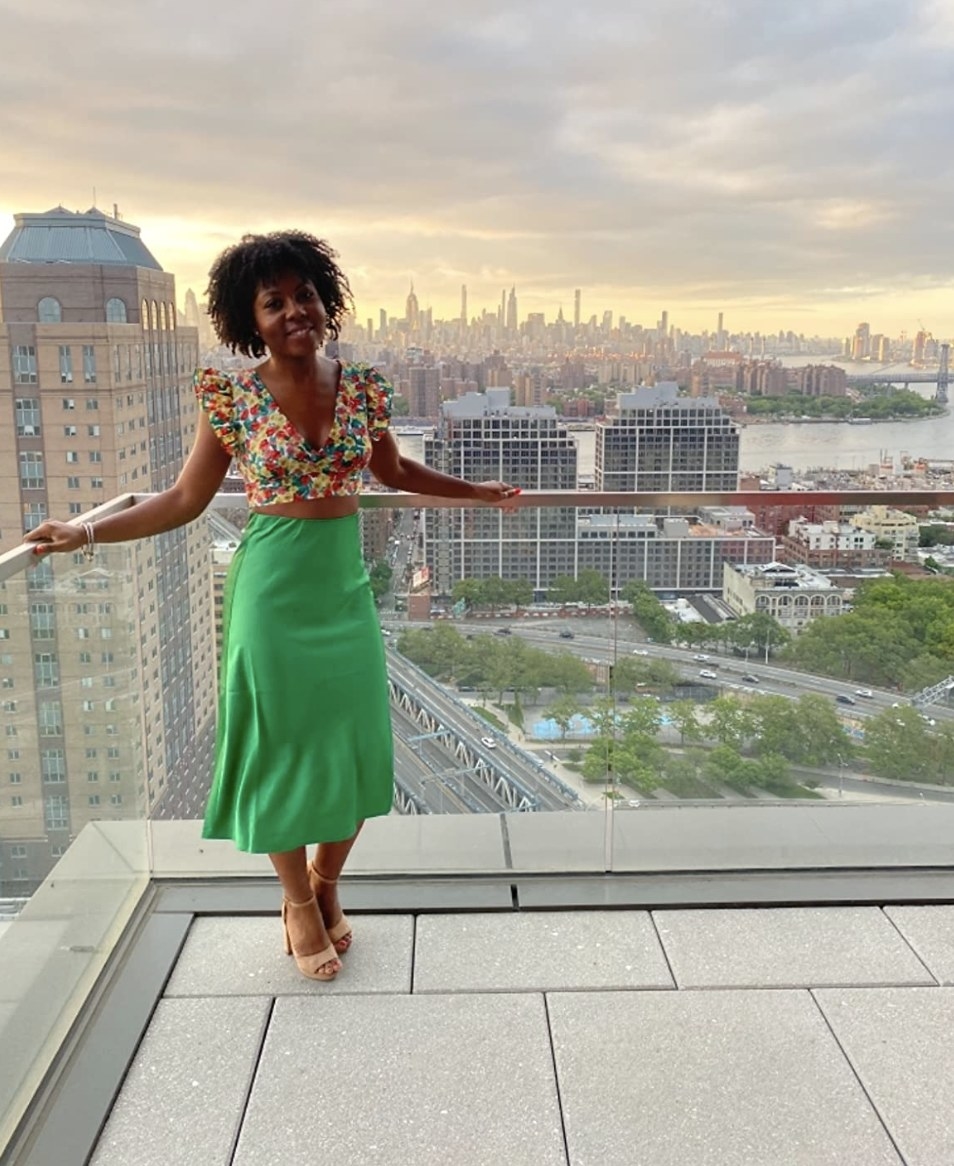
(303, 744)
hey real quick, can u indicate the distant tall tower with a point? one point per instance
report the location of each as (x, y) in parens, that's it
(512, 310)
(463, 304)
(382, 323)
(664, 325)
(719, 329)
(412, 312)
(576, 308)
(503, 307)
(191, 310)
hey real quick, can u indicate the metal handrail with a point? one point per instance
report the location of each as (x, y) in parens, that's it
(19, 558)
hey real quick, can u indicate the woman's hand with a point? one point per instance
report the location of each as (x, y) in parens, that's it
(496, 493)
(56, 536)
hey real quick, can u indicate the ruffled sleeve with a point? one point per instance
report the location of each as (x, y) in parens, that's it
(378, 395)
(214, 392)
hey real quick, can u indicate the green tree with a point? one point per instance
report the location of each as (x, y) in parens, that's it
(685, 715)
(730, 721)
(894, 745)
(380, 577)
(562, 711)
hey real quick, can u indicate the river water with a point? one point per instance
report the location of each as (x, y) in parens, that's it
(806, 445)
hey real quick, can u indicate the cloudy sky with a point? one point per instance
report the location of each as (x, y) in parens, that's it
(790, 164)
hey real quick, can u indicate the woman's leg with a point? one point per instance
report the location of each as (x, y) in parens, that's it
(306, 929)
(329, 861)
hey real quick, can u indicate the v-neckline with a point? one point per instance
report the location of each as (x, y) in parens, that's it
(291, 427)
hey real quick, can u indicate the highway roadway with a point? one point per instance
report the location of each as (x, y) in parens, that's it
(542, 786)
(772, 680)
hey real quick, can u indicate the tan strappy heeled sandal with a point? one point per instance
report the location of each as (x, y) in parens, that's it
(340, 933)
(313, 965)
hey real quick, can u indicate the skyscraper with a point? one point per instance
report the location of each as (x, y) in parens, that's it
(655, 440)
(111, 667)
(480, 437)
(576, 308)
(412, 312)
(512, 311)
(463, 305)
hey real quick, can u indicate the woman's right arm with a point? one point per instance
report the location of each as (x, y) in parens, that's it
(184, 501)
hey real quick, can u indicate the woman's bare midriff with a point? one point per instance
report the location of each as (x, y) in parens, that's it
(339, 507)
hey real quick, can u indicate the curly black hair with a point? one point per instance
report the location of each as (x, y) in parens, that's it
(241, 269)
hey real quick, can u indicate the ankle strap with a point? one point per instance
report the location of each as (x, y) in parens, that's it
(322, 877)
(304, 903)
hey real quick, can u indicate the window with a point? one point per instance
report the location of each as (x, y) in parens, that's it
(93, 799)
(45, 669)
(69, 403)
(92, 431)
(92, 775)
(27, 411)
(95, 456)
(51, 718)
(18, 852)
(89, 364)
(115, 310)
(96, 483)
(113, 754)
(115, 799)
(48, 311)
(72, 483)
(72, 457)
(31, 470)
(76, 508)
(53, 765)
(66, 364)
(69, 430)
(92, 404)
(16, 800)
(24, 364)
(42, 624)
(33, 514)
(56, 812)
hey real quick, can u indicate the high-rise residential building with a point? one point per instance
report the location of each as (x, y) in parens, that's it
(482, 437)
(576, 308)
(463, 305)
(108, 667)
(655, 440)
(424, 390)
(861, 343)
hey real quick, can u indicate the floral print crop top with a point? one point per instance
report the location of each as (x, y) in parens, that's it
(276, 461)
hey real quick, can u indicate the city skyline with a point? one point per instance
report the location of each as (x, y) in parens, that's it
(773, 164)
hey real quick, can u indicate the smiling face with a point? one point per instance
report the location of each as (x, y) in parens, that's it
(289, 316)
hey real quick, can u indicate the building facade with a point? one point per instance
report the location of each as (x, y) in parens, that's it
(108, 667)
(655, 440)
(792, 595)
(482, 437)
(894, 527)
(831, 544)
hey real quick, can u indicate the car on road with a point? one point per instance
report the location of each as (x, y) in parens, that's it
(708, 674)
(503, 632)
(488, 742)
(640, 652)
(865, 692)
(700, 656)
(749, 678)
(566, 634)
(844, 698)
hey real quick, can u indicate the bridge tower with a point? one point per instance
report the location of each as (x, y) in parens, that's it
(943, 376)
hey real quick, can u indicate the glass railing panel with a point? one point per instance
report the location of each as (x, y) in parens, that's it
(73, 792)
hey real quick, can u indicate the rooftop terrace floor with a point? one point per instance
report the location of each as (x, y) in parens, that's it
(506, 1014)
(723, 1036)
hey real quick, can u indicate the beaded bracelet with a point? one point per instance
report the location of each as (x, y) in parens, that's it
(90, 548)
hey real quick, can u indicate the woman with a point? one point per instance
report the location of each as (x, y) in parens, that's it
(303, 749)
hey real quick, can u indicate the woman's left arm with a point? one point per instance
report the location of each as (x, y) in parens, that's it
(392, 469)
